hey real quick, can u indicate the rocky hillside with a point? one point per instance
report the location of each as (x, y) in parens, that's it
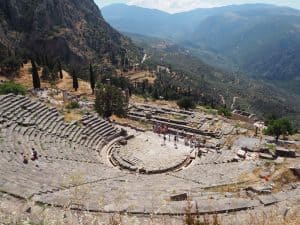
(74, 30)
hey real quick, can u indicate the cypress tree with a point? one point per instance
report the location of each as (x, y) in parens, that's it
(35, 76)
(61, 76)
(75, 80)
(92, 79)
(155, 94)
(45, 73)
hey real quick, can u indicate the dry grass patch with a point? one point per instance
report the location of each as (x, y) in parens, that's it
(232, 188)
(295, 137)
(132, 123)
(3, 78)
(245, 180)
(72, 115)
(283, 177)
(158, 103)
(141, 76)
(274, 219)
(230, 140)
(25, 77)
(138, 76)
(66, 83)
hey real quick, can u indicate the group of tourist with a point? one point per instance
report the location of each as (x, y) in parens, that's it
(192, 141)
(34, 157)
(176, 139)
(163, 130)
(160, 129)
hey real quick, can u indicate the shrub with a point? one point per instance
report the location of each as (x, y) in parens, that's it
(73, 105)
(10, 66)
(224, 112)
(186, 103)
(11, 87)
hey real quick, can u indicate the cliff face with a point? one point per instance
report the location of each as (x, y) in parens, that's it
(74, 30)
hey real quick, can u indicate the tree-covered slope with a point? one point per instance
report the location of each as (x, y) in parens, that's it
(260, 40)
(214, 84)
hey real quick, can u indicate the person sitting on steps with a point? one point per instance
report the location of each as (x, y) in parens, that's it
(34, 155)
(25, 159)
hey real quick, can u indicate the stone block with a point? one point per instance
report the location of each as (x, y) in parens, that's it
(260, 189)
(279, 160)
(123, 142)
(180, 197)
(283, 152)
(265, 156)
(264, 174)
(267, 199)
(241, 153)
(296, 171)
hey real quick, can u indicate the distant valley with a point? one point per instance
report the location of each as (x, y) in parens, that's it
(257, 96)
(260, 40)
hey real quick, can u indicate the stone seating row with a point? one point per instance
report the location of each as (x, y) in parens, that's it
(91, 133)
(58, 158)
(23, 139)
(210, 175)
(26, 180)
(223, 156)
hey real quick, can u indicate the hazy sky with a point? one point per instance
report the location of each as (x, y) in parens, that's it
(184, 5)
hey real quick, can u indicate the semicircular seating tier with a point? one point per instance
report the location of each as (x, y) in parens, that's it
(61, 147)
(71, 171)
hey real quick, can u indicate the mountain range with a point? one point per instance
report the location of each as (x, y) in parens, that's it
(260, 40)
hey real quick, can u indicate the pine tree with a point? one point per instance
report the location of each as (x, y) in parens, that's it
(92, 79)
(35, 76)
(61, 76)
(110, 100)
(75, 80)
